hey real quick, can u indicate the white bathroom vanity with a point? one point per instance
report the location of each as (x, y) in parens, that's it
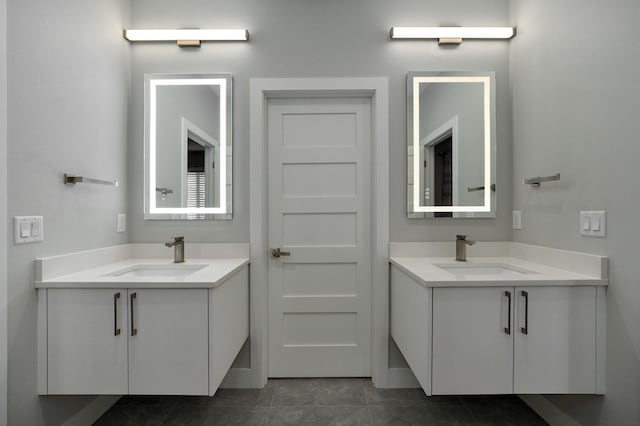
(514, 318)
(127, 320)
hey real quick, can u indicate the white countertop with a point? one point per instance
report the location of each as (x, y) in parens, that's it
(214, 273)
(426, 271)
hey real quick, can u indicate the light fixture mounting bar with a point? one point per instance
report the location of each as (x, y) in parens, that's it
(188, 34)
(452, 32)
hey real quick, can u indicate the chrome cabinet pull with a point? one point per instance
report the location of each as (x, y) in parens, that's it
(507, 329)
(276, 252)
(116, 329)
(134, 331)
(525, 329)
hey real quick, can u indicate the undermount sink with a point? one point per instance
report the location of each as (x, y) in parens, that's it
(157, 271)
(470, 268)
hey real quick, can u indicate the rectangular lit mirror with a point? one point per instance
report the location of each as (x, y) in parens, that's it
(188, 150)
(451, 144)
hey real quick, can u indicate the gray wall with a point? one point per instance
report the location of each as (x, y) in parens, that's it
(576, 103)
(68, 80)
(3, 212)
(330, 38)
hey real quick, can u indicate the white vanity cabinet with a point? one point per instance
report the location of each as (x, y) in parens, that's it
(168, 341)
(556, 339)
(87, 340)
(524, 340)
(151, 339)
(481, 336)
(472, 344)
(136, 341)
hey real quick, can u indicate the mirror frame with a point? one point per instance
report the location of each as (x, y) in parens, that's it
(225, 187)
(487, 78)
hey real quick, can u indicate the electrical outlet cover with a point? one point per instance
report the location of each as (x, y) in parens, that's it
(121, 225)
(517, 219)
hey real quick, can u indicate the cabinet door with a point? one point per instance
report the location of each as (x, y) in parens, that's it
(558, 352)
(87, 341)
(472, 340)
(168, 342)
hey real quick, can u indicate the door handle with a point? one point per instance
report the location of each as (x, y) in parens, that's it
(116, 329)
(525, 329)
(276, 252)
(507, 329)
(134, 330)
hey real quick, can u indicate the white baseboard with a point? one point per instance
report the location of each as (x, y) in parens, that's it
(237, 378)
(402, 378)
(549, 412)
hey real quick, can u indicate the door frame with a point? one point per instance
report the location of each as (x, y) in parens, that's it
(209, 143)
(429, 142)
(376, 89)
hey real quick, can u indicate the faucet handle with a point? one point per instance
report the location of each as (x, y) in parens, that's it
(178, 239)
(464, 238)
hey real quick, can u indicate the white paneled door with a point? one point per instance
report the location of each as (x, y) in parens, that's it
(320, 220)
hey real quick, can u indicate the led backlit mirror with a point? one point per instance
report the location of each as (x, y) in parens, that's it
(188, 154)
(451, 144)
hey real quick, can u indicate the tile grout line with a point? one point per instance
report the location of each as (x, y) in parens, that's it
(464, 405)
(273, 397)
(366, 400)
(473, 416)
(166, 416)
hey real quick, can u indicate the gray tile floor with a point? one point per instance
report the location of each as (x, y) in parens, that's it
(319, 402)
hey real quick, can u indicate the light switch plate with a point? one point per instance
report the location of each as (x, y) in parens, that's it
(27, 229)
(517, 219)
(593, 223)
(121, 225)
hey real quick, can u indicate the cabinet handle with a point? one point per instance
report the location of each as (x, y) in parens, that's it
(116, 330)
(525, 329)
(134, 331)
(507, 329)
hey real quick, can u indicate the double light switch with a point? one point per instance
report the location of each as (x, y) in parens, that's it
(593, 223)
(27, 229)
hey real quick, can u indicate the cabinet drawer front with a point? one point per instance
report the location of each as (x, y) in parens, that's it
(472, 340)
(85, 353)
(558, 352)
(168, 352)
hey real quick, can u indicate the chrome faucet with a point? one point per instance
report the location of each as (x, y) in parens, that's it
(461, 247)
(178, 245)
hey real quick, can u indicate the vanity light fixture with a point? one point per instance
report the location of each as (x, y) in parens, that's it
(452, 35)
(188, 37)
